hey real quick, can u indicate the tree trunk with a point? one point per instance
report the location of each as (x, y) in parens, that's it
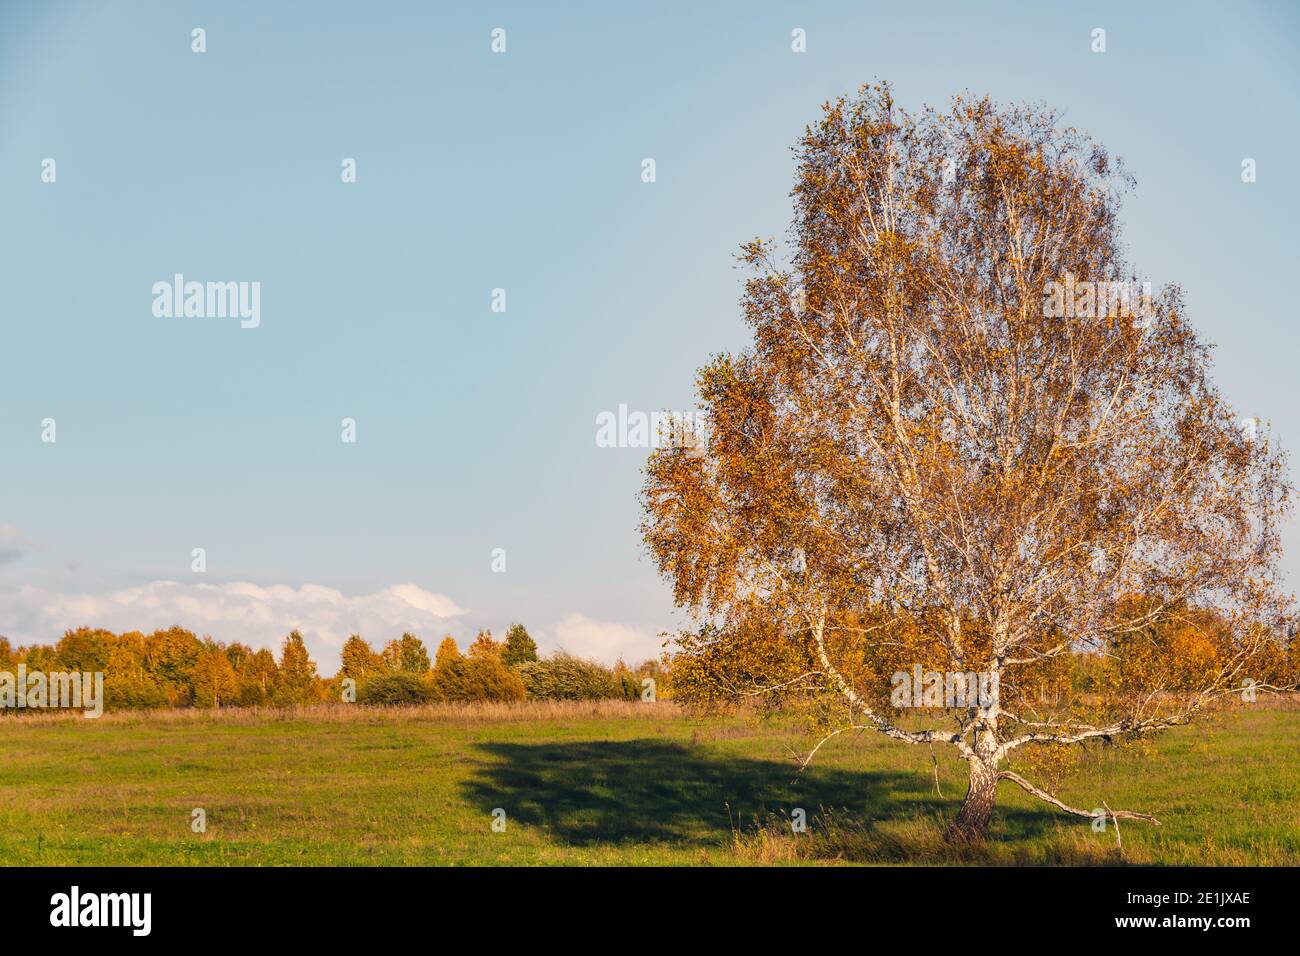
(971, 825)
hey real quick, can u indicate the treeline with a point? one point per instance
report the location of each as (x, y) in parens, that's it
(1176, 649)
(176, 668)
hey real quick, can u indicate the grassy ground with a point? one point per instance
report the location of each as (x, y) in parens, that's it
(607, 784)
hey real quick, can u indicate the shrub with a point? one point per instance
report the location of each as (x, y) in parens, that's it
(480, 675)
(126, 694)
(393, 689)
(565, 677)
(488, 678)
(629, 685)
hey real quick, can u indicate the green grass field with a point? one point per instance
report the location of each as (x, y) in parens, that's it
(608, 784)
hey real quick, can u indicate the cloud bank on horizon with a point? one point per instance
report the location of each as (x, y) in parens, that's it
(261, 616)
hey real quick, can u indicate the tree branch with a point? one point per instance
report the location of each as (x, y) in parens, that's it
(1044, 795)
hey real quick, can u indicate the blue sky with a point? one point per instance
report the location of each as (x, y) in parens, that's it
(479, 171)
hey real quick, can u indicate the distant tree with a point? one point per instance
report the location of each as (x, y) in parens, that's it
(258, 678)
(8, 655)
(487, 676)
(360, 660)
(128, 685)
(484, 644)
(411, 656)
(449, 678)
(40, 657)
(298, 676)
(170, 656)
(214, 679)
(237, 653)
(447, 651)
(85, 649)
(629, 684)
(520, 647)
(489, 679)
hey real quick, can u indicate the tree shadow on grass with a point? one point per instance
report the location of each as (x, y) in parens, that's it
(652, 791)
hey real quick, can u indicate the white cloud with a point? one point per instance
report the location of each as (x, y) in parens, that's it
(602, 640)
(261, 617)
(235, 611)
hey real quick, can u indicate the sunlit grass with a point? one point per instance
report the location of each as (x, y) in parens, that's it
(614, 783)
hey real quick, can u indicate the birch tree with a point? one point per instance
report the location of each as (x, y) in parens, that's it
(965, 438)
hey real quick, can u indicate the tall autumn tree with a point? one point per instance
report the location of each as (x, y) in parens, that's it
(407, 655)
(487, 676)
(170, 656)
(215, 683)
(297, 672)
(520, 646)
(449, 680)
(360, 661)
(128, 683)
(85, 649)
(485, 645)
(258, 677)
(8, 656)
(962, 441)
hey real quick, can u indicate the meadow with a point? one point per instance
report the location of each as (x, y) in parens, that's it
(609, 783)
